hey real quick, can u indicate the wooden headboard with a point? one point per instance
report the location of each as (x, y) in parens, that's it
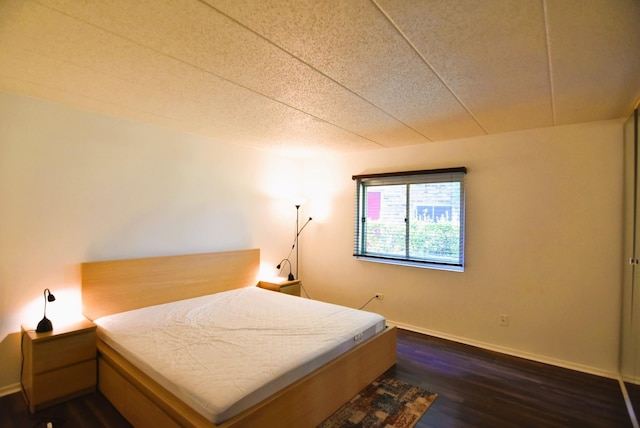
(110, 287)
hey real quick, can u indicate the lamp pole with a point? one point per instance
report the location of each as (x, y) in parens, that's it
(297, 234)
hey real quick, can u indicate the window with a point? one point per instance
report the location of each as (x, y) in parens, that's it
(412, 218)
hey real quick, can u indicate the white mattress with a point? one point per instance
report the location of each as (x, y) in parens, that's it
(225, 352)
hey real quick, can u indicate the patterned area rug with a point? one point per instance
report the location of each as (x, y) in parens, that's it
(387, 402)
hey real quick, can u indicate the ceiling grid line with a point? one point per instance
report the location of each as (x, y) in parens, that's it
(322, 73)
(422, 57)
(308, 77)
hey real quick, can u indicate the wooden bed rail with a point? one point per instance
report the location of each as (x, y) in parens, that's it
(305, 403)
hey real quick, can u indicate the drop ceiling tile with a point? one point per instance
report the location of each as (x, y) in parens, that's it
(595, 48)
(492, 54)
(335, 74)
(289, 134)
(208, 40)
(262, 125)
(45, 77)
(353, 43)
(81, 59)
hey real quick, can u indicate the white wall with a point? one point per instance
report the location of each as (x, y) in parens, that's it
(76, 186)
(544, 228)
(544, 225)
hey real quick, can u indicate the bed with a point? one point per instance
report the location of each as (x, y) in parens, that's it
(124, 287)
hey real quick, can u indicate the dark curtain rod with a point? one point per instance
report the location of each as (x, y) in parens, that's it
(461, 169)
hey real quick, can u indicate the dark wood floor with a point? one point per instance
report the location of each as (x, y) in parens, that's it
(633, 391)
(476, 388)
(91, 411)
(479, 388)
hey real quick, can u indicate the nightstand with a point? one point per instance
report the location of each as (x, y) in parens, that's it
(286, 287)
(59, 364)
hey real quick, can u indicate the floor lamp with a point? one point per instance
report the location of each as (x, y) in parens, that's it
(298, 231)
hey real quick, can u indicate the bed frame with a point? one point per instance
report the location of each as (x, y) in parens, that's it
(116, 286)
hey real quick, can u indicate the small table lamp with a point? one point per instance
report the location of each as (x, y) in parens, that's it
(290, 277)
(45, 325)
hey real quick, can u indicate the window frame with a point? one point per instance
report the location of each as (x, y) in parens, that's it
(407, 178)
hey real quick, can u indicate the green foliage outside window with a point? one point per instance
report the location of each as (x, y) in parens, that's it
(428, 238)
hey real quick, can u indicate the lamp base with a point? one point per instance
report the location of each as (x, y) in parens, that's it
(44, 326)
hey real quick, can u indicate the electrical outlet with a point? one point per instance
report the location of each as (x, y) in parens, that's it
(504, 320)
(379, 296)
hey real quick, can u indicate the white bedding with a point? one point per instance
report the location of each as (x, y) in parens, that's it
(225, 352)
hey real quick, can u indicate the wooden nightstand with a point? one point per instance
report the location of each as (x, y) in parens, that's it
(59, 364)
(287, 287)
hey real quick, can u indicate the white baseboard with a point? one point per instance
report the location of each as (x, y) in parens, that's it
(630, 379)
(512, 352)
(10, 389)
